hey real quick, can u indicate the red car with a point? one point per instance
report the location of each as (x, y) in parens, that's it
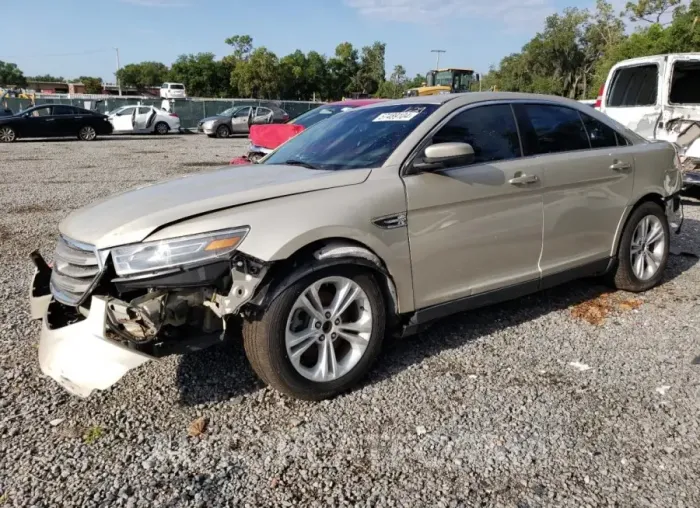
(265, 138)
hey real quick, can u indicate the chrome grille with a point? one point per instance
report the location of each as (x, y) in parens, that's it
(75, 270)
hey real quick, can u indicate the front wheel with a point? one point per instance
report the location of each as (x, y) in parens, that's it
(643, 251)
(222, 131)
(319, 336)
(87, 133)
(7, 134)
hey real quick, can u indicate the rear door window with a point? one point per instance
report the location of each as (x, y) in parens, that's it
(599, 134)
(490, 130)
(63, 110)
(550, 129)
(634, 86)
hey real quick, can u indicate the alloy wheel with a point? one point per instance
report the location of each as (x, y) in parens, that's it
(87, 133)
(648, 247)
(328, 329)
(162, 128)
(7, 135)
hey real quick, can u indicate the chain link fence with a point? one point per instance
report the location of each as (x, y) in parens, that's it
(189, 111)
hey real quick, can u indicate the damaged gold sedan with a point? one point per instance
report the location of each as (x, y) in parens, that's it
(390, 217)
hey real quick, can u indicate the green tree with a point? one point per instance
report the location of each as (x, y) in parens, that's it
(242, 46)
(11, 75)
(371, 73)
(395, 87)
(92, 85)
(650, 11)
(259, 76)
(294, 78)
(143, 75)
(202, 74)
(317, 75)
(343, 71)
(47, 77)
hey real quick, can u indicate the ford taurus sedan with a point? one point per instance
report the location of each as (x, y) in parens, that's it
(389, 217)
(237, 120)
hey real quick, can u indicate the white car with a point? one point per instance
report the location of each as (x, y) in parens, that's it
(173, 91)
(143, 119)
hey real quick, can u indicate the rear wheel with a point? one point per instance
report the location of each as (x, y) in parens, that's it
(222, 131)
(7, 134)
(643, 251)
(87, 133)
(320, 336)
(162, 128)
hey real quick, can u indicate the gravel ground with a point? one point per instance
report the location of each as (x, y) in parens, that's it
(573, 397)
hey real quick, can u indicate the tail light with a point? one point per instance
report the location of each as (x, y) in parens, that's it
(174, 114)
(285, 117)
(599, 99)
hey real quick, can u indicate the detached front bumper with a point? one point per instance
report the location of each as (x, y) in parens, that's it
(78, 356)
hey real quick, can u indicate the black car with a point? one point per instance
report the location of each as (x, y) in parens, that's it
(54, 121)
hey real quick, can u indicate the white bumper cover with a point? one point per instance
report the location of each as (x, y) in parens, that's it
(78, 356)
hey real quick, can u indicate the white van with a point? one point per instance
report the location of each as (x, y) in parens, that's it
(173, 91)
(658, 97)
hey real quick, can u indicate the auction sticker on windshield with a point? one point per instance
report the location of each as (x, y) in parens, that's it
(402, 116)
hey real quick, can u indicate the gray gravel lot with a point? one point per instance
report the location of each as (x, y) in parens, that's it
(484, 409)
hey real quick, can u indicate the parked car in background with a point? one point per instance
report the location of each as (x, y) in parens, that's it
(173, 91)
(143, 119)
(238, 119)
(265, 138)
(385, 219)
(54, 121)
(658, 97)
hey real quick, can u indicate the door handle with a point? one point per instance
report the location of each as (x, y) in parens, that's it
(523, 179)
(620, 166)
(50, 120)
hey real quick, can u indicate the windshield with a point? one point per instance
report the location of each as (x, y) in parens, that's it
(316, 115)
(361, 138)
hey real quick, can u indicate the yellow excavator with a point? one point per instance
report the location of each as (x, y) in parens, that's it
(452, 80)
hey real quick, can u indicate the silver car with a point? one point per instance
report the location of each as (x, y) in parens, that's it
(389, 217)
(237, 120)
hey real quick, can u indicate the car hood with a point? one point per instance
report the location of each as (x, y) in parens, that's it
(131, 216)
(210, 118)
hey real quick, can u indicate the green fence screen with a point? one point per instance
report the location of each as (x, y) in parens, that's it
(189, 111)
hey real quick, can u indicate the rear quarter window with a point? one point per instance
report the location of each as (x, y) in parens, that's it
(634, 86)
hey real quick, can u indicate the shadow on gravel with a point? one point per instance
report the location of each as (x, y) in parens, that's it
(102, 139)
(217, 374)
(223, 372)
(468, 326)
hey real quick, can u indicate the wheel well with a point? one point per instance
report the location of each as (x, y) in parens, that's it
(284, 272)
(652, 197)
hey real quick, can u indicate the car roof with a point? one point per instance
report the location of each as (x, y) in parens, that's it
(462, 99)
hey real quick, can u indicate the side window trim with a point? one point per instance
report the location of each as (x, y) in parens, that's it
(407, 163)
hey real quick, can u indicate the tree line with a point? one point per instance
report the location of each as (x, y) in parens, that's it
(570, 57)
(573, 54)
(259, 73)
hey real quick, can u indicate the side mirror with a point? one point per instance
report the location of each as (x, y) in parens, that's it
(440, 155)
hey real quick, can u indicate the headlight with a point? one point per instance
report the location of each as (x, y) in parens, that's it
(208, 124)
(176, 252)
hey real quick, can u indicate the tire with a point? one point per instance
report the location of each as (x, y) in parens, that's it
(87, 133)
(626, 274)
(267, 346)
(162, 128)
(7, 134)
(222, 131)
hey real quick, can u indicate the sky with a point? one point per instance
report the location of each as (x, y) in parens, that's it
(72, 38)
